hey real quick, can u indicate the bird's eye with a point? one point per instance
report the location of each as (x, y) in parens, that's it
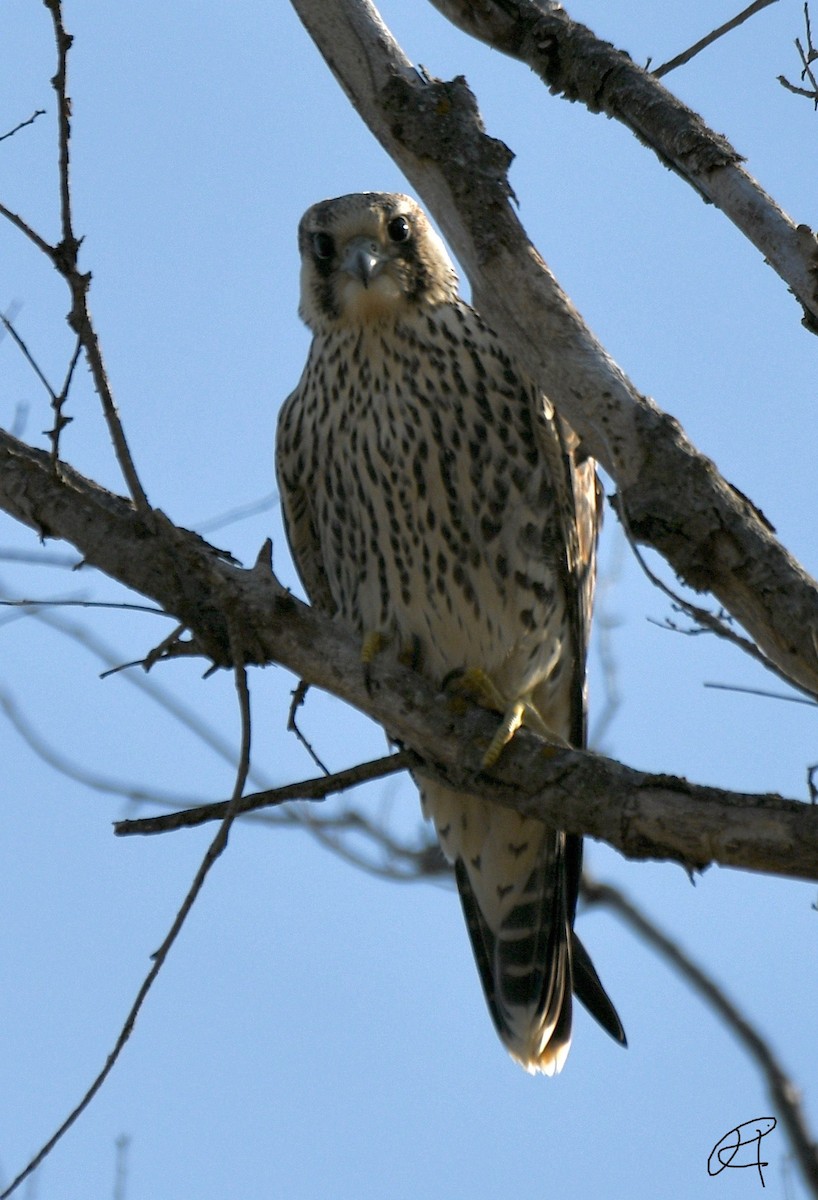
(323, 245)
(399, 229)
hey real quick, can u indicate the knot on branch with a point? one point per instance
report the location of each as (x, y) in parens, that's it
(64, 257)
(579, 66)
(570, 59)
(439, 121)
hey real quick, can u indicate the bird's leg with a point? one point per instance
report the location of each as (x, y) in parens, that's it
(511, 722)
(410, 652)
(477, 685)
(373, 644)
(520, 712)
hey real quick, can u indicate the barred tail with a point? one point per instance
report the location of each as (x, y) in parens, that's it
(525, 966)
(518, 883)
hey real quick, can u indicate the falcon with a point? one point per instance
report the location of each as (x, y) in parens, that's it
(436, 503)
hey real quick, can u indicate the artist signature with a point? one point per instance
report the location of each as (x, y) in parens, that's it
(747, 1138)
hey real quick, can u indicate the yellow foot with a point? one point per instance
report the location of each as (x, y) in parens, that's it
(477, 686)
(512, 720)
(371, 648)
(373, 644)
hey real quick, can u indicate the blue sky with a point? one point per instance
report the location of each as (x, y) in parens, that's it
(318, 1032)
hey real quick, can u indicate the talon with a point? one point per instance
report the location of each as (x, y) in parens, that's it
(512, 721)
(475, 685)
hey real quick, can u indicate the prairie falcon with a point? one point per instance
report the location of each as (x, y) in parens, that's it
(433, 499)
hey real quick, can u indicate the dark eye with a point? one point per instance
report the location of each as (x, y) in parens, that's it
(399, 229)
(323, 245)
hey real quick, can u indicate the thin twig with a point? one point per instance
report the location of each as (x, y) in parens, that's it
(751, 691)
(704, 42)
(299, 696)
(18, 222)
(40, 112)
(240, 513)
(402, 862)
(807, 57)
(122, 1145)
(707, 620)
(8, 325)
(65, 259)
(39, 558)
(36, 606)
(92, 780)
(57, 399)
(397, 860)
(810, 93)
(308, 789)
(60, 420)
(214, 850)
(783, 1091)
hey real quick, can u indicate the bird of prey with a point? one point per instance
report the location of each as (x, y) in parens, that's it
(433, 500)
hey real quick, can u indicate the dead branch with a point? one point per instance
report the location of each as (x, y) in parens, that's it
(308, 789)
(576, 64)
(64, 256)
(783, 1092)
(644, 816)
(214, 850)
(40, 112)
(679, 60)
(807, 57)
(712, 536)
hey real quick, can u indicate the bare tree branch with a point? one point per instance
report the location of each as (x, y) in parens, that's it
(807, 57)
(213, 852)
(86, 776)
(783, 1092)
(708, 531)
(573, 62)
(40, 112)
(240, 617)
(17, 221)
(679, 60)
(65, 257)
(122, 1144)
(645, 816)
(308, 789)
(358, 839)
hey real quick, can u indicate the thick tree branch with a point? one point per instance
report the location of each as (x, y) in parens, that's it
(644, 816)
(710, 534)
(576, 64)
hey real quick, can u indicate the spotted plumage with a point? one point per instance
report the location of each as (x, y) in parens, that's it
(433, 498)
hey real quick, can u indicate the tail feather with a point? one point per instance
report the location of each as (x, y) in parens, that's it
(518, 880)
(589, 991)
(525, 968)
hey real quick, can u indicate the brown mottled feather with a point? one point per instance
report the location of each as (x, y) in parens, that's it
(432, 496)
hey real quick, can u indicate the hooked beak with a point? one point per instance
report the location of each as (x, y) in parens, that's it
(362, 260)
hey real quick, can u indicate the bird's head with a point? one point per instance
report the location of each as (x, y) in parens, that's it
(367, 258)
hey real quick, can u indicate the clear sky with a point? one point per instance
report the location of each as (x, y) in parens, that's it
(318, 1032)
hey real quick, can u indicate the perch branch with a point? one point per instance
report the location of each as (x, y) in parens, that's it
(713, 537)
(643, 815)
